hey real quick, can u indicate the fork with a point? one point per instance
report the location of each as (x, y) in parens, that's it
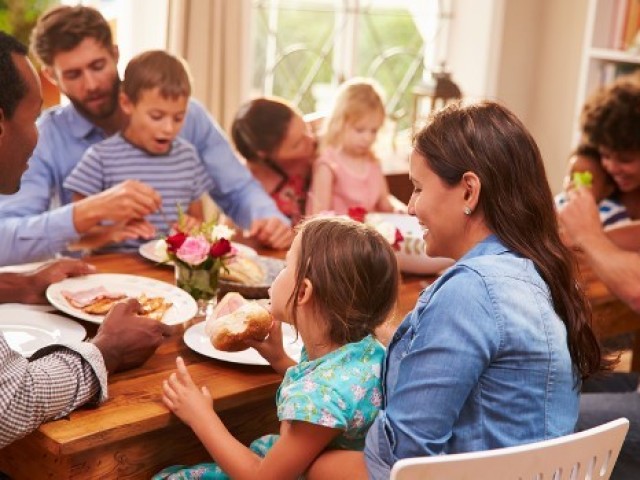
(165, 219)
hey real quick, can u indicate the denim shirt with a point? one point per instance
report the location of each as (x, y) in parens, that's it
(481, 362)
(37, 222)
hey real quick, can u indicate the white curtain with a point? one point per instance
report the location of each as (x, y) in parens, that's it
(213, 37)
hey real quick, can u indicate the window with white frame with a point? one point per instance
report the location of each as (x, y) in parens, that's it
(302, 49)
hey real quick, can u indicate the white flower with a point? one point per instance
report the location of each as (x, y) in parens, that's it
(358, 392)
(327, 419)
(160, 249)
(222, 231)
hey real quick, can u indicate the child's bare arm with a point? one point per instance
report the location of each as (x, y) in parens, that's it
(272, 349)
(300, 443)
(321, 190)
(76, 197)
(196, 210)
(193, 218)
(102, 235)
(384, 203)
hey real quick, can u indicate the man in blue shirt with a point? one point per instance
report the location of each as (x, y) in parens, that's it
(75, 47)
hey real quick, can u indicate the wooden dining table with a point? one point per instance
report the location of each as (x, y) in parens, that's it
(133, 435)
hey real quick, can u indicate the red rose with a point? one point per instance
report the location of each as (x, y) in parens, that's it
(398, 240)
(220, 248)
(175, 241)
(357, 213)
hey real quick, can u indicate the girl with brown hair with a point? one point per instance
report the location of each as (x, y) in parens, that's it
(279, 148)
(340, 283)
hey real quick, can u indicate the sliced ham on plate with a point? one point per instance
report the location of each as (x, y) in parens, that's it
(229, 304)
(84, 298)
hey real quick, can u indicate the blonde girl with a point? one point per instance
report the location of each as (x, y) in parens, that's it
(340, 282)
(347, 173)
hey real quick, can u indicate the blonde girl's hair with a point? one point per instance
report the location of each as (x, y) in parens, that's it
(355, 99)
(354, 274)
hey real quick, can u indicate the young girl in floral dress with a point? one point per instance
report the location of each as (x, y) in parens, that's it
(340, 282)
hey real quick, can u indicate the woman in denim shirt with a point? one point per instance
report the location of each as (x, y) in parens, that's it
(493, 353)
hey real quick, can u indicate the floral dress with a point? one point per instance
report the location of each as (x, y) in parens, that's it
(291, 196)
(339, 390)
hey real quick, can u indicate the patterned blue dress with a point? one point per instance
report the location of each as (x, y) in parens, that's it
(339, 390)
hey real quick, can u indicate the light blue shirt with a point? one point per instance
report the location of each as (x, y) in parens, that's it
(481, 362)
(37, 222)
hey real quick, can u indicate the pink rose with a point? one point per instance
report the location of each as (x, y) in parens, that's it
(194, 250)
(220, 248)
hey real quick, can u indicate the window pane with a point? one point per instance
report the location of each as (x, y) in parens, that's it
(305, 48)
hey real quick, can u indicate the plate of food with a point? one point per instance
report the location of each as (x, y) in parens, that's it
(198, 341)
(29, 329)
(250, 276)
(151, 251)
(90, 297)
(234, 320)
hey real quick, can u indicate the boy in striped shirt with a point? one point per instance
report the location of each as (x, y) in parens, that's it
(154, 95)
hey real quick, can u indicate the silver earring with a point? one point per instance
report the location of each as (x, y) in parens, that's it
(467, 210)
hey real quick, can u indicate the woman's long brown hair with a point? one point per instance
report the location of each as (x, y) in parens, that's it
(517, 204)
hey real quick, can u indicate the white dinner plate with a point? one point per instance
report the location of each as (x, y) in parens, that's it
(148, 251)
(198, 341)
(27, 329)
(184, 306)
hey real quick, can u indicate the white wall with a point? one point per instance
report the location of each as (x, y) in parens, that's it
(526, 54)
(552, 117)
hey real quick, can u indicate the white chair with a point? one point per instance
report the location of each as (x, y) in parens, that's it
(587, 455)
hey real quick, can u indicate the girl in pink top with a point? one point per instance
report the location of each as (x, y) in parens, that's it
(347, 173)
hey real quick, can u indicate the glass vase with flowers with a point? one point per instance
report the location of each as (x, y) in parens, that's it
(198, 256)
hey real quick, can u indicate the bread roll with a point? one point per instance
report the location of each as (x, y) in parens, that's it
(244, 270)
(230, 332)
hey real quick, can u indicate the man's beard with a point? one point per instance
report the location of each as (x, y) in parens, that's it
(105, 110)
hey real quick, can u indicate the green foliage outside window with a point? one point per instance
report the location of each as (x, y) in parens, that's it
(18, 17)
(305, 52)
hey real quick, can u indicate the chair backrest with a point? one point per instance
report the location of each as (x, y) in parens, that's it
(590, 454)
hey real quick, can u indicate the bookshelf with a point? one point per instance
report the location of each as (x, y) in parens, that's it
(611, 46)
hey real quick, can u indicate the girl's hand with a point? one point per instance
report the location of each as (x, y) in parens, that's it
(190, 403)
(272, 348)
